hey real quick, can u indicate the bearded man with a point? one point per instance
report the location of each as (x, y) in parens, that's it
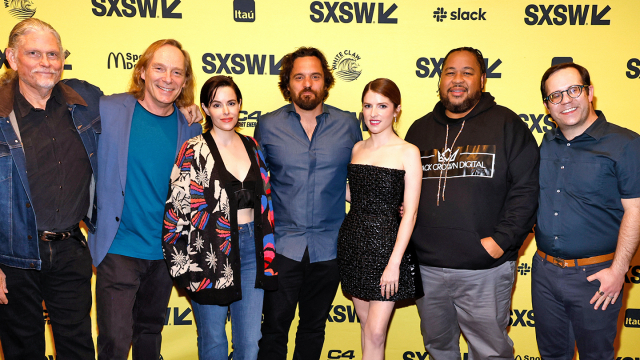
(477, 206)
(307, 145)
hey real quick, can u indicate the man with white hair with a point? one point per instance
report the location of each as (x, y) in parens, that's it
(48, 143)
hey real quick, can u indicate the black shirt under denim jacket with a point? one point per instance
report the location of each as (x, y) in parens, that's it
(200, 230)
(58, 167)
(582, 182)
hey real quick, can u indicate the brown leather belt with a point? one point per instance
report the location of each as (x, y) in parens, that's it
(563, 263)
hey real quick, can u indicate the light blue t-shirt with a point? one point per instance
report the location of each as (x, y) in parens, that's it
(152, 152)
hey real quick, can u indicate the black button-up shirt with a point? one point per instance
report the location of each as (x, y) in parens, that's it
(58, 167)
(582, 182)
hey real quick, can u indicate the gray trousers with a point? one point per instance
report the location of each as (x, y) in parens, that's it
(474, 301)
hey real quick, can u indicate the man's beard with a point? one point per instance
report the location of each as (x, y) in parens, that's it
(467, 104)
(307, 103)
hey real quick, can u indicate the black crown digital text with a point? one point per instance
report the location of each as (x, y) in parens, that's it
(346, 12)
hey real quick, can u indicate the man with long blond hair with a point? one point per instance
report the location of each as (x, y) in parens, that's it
(142, 132)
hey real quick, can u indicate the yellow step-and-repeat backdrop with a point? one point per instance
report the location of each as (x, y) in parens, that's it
(403, 40)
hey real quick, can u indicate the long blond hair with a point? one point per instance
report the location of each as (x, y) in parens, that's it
(136, 87)
(16, 39)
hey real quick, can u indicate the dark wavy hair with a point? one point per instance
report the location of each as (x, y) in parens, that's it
(287, 67)
(136, 86)
(584, 75)
(208, 92)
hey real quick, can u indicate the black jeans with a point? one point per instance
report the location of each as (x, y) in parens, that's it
(312, 286)
(131, 301)
(64, 283)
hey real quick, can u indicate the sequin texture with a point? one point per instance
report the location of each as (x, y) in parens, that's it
(368, 234)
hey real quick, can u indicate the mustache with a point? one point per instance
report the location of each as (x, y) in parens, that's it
(457, 87)
(44, 70)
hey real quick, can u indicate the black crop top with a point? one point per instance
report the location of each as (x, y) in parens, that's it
(241, 191)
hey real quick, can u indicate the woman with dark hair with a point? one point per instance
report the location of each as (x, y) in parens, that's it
(218, 226)
(376, 268)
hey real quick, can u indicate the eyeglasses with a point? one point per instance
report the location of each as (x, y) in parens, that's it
(573, 91)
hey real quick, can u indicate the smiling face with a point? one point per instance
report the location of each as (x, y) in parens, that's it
(223, 109)
(307, 83)
(573, 116)
(164, 79)
(461, 84)
(37, 60)
(379, 112)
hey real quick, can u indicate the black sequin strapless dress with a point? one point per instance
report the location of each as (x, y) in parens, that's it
(368, 234)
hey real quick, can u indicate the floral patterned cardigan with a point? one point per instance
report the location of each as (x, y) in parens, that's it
(200, 230)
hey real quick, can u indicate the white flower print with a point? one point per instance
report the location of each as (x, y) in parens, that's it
(198, 244)
(211, 258)
(202, 178)
(227, 279)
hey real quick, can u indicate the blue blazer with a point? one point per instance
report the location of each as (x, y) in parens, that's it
(116, 112)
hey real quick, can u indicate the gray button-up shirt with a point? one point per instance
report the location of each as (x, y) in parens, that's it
(308, 178)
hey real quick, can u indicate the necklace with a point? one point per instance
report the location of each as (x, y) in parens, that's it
(449, 157)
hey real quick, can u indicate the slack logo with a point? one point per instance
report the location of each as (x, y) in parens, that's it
(244, 10)
(146, 8)
(430, 67)
(576, 14)
(346, 12)
(440, 14)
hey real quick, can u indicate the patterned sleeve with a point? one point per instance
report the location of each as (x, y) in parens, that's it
(177, 216)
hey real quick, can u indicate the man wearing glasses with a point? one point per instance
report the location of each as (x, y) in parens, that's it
(588, 220)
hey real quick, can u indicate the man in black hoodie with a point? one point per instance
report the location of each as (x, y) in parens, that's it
(478, 204)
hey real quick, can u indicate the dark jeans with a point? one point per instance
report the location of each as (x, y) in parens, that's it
(64, 283)
(312, 286)
(131, 299)
(564, 317)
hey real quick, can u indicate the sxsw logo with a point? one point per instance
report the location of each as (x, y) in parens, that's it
(178, 317)
(634, 68)
(538, 123)
(129, 8)
(346, 12)
(423, 64)
(632, 318)
(3, 57)
(633, 275)
(576, 14)
(423, 355)
(341, 313)
(440, 15)
(244, 10)
(126, 61)
(523, 318)
(254, 64)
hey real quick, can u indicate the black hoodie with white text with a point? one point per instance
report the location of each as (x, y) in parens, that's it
(486, 184)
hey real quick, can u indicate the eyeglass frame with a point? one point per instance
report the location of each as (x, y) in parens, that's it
(548, 98)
